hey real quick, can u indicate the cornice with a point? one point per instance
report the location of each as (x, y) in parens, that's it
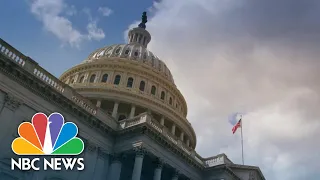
(123, 91)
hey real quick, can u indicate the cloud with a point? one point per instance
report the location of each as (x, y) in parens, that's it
(94, 32)
(50, 13)
(257, 57)
(105, 11)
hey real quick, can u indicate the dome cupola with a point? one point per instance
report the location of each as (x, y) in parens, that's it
(140, 35)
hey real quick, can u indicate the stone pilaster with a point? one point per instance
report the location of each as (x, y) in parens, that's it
(11, 102)
(9, 115)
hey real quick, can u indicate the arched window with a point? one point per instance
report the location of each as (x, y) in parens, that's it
(118, 50)
(130, 82)
(81, 79)
(92, 78)
(170, 101)
(117, 80)
(142, 85)
(104, 78)
(153, 90)
(163, 94)
(72, 81)
(122, 117)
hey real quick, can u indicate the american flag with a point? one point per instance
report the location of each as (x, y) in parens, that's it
(235, 127)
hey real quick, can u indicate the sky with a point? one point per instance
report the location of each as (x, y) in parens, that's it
(226, 56)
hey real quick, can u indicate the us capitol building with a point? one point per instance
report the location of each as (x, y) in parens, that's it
(130, 114)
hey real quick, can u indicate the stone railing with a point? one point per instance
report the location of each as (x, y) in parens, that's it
(33, 68)
(146, 118)
(214, 161)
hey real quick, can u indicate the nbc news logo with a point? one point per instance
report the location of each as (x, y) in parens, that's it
(47, 136)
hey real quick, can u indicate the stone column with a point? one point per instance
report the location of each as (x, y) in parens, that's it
(133, 110)
(98, 103)
(181, 136)
(136, 174)
(115, 109)
(188, 142)
(115, 168)
(158, 171)
(173, 129)
(162, 120)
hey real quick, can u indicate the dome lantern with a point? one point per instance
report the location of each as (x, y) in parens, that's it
(140, 35)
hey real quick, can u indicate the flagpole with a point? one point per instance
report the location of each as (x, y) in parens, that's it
(242, 141)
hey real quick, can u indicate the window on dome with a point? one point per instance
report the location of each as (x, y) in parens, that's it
(92, 78)
(81, 79)
(163, 94)
(127, 51)
(122, 117)
(104, 78)
(152, 59)
(118, 50)
(117, 80)
(136, 53)
(153, 90)
(142, 85)
(72, 81)
(170, 101)
(130, 82)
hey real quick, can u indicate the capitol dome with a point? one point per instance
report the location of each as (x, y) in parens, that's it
(126, 80)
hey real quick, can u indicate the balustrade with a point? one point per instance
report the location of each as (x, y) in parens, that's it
(32, 67)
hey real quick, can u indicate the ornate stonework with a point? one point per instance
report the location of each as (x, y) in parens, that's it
(252, 175)
(12, 102)
(90, 146)
(102, 153)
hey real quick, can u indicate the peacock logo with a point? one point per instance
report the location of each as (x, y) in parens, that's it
(47, 136)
